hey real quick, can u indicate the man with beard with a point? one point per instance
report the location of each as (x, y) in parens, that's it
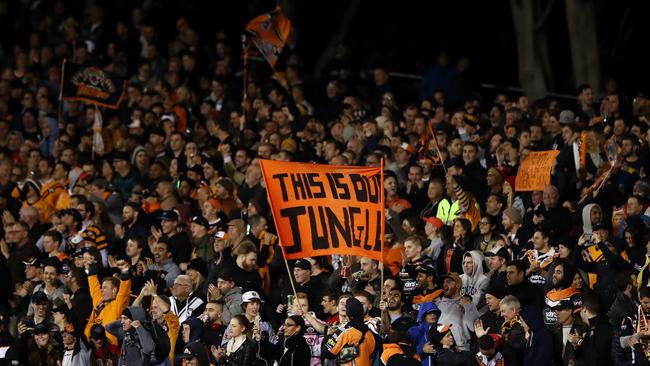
(368, 278)
(496, 260)
(561, 290)
(228, 294)
(458, 311)
(245, 271)
(391, 309)
(627, 171)
(426, 288)
(131, 223)
(512, 226)
(214, 328)
(540, 257)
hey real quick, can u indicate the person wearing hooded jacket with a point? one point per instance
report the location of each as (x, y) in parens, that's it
(292, 348)
(428, 316)
(474, 281)
(356, 335)
(137, 344)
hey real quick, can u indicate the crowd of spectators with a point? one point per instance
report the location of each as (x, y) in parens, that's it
(159, 247)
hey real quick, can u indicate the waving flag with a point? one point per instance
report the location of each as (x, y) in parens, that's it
(92, 85)
(269, 33)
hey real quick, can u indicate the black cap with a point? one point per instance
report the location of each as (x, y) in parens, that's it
(198, 265)
(302, 264)
(226, 276)
(33, 261)
(196, 350)
(354, 309)
(169, 215)
(72, 212)
(200, 220)
(97, 331)
(426, 269)
(564, 305)
(39, 297)
(41, 328)
(497, 291)
(122, 155)
(501, 252)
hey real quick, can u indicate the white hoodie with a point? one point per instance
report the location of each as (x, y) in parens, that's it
(475, 284)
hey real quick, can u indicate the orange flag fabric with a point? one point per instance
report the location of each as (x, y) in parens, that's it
(535, 171)
(324, 209)
(269, 33)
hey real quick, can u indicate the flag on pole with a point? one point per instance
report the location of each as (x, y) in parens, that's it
(92, 85)
(269, 33)
(324, 209)
(98, 141)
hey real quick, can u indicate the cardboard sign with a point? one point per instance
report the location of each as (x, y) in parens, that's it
(535, 171)
(324, 209)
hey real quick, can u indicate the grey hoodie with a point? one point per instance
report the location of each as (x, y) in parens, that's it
(587, 225)
(475, 284)
(137, 344)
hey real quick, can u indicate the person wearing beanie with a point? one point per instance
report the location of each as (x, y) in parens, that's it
(137, 343)
(512, 228)
(357, 336)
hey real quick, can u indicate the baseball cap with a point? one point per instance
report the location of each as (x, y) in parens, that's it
(498, 252)
(407, 147)
(435, 221)
(453, 276)
(302, 264)
(426, 269)
(564, 305)
(97, 331)
(250, 296)
(196, 350)
(567, 117)
(41, 328)
(39, 297)
(169, 215)
(200, 220)
(72, 212)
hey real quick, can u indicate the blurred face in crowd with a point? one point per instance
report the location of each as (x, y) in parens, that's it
(468, 265)
(168, 226)
(253, 308)
(341, 306)
(550, 196)
(161, 253)
(329, 305)
(389, 284)
(182, 287)
(301, 275)
(108, 290)
(224, 286)
(42, 339)
(368, 266)
(49, 275)
(508, 312)
(633, 207)
(236, 328)
(539, 242)
(558, 275)
(128, 215)
(492, 303)
(450, 287)
(390, 184)
(578, 282)
(514, 276)
(214, 311)
(412, 250)
(564, 251)
(366, 304)
(249, 261)
(132, 249)
(470, 154)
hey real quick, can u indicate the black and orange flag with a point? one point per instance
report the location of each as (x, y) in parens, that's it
(92, 85)
(269, 32)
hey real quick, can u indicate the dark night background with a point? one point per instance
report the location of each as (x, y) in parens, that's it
(407, 35)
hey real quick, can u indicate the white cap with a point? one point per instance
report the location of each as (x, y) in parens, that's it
(249, 296)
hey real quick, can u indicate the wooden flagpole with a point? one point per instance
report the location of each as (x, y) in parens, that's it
(382, 226)
(435, 141)
(60, 112)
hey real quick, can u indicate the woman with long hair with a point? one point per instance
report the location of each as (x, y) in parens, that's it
(240, 349)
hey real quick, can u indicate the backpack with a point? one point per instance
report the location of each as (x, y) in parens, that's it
(161, 340)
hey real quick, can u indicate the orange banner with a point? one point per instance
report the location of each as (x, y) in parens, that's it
(269, 33)
(325, 209)
(535, 171)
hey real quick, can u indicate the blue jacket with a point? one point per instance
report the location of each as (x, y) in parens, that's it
(419, 332)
